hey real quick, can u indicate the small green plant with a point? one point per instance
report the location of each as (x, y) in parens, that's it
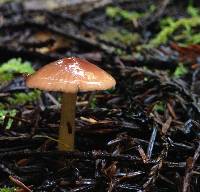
(159, 107)
(117, 12)
(4, 113)
(171, 26)
(7, 189)
(16, 99)
(14, 66)
(93, 102)
(192, 11)
(194, 39)
(180, 71)
(23, 98)
(122, 36)
(181, 30)
(114, 12)
(7, 72)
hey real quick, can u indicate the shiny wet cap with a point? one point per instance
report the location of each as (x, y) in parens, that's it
(70, 75)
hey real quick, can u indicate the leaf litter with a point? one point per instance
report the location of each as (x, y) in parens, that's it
(142, 136)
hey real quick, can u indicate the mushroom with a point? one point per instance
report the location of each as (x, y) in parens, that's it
(69, 75)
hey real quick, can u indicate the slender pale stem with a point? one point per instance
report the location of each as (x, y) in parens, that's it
(67, 122)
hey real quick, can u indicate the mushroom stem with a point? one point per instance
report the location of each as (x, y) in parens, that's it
(67, 122)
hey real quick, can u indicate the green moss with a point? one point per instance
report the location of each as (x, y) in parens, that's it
(93, 103)
(14, 66)
(182, 30)
(16, 99)
(194, 39)
(120, 36)
(171, 27)
(159, 107)
(117, 12)
(7, 189)
(7, 72)
(4, 113)
(114, 12)
(192, 11)
(23, 98)
(180, 71)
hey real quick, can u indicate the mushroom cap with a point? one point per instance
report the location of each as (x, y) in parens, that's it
(70, 75)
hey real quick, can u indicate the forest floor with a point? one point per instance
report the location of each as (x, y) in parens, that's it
(144, 135)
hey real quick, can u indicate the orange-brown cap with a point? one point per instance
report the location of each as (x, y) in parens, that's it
(70, 75)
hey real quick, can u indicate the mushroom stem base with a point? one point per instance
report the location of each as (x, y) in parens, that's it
(67, 122)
